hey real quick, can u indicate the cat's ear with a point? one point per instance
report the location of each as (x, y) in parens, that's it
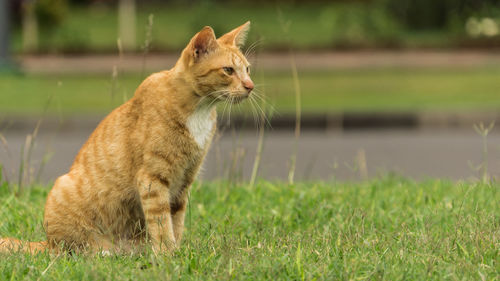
(236, 36)
(203, 42)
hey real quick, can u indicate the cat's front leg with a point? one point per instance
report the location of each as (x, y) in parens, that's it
(178, 210)
(154, 194)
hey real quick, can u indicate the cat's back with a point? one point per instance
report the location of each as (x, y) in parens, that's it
(121, 133)
(109, 140)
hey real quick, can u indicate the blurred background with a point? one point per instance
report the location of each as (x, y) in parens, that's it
(406, 87)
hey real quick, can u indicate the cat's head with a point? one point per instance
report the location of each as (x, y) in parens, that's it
(216, 68)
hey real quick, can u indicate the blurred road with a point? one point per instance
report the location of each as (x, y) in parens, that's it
(322, 155)
(61, 64)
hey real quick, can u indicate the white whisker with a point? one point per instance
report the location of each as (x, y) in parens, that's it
(253, 46)
(263, 114)
(254, 111)
(263, 100)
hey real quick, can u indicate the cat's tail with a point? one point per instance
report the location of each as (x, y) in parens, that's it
(15, 245)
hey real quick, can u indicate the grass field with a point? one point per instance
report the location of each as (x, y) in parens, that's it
(385, 229)
(322, 91)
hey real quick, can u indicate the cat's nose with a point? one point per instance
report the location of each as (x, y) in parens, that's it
(248, 85)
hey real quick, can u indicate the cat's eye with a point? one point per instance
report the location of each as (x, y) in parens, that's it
(228, 70)
(248, 69)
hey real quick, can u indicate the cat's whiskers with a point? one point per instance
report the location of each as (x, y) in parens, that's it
(202, 99)
(257, 94)
(230, 107)
(262, 117)
(252, 47)
(214, 96)
(257, 106)
(263, 98)
(225, 105)
(217, 94)
(256, 99)
(255, 114)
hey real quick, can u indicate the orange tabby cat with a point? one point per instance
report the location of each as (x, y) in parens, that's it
(129, 182)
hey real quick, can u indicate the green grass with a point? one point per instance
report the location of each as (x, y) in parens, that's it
(474, 89)
(385, 229)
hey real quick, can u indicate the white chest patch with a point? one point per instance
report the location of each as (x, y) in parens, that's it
(200, 125)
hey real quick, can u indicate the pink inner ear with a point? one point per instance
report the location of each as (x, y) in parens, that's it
(204, 41)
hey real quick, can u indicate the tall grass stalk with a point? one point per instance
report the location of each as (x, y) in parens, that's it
(219, 162)
(25, 169)
(361, 164)
(258, 153)
(285, 26)
(261, 122)
(147, 43)
(483, 131)
(298, 106)
(116, 70)
(46, 158)
(235, 168)
(5, 146)
(3, 182)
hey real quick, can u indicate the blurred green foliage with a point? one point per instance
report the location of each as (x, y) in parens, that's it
(359, 24)
(89, 26)
(51, 13)
(432, 14)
